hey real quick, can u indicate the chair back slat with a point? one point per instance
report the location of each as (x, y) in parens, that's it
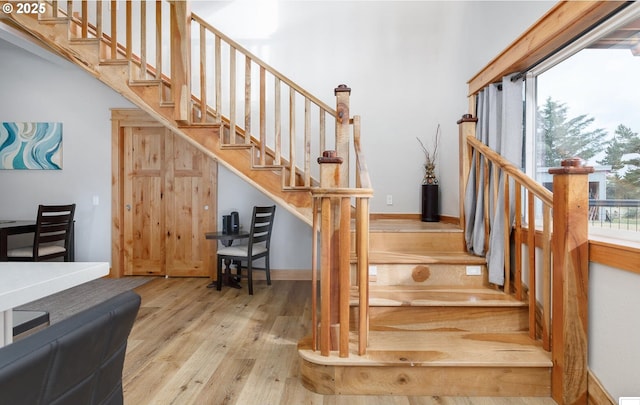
(53, 225)
(261, 226)
(52, 233)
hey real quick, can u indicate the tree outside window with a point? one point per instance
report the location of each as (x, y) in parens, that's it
(587, 107)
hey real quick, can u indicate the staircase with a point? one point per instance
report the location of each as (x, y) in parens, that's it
(433, 329)
(150, 88)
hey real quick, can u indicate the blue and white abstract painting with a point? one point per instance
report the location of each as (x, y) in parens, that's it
(31, 145)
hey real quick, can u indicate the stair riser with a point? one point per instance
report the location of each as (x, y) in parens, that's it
(469, 319)
(425, 275)
(433, 381)
(415, 241)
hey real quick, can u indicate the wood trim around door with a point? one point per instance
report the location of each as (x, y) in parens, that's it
(123, 120)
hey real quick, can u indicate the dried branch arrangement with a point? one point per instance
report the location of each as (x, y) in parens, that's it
(430, 159)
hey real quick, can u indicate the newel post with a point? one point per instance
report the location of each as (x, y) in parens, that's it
(181, 59)
(334, 260)
(466, 127)
(343, 128)
(570, 282)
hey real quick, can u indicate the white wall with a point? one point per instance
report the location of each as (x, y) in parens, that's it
(614, 327)
(407, 64)
(35, 89)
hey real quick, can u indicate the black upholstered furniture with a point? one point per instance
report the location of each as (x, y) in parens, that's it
(75, 361)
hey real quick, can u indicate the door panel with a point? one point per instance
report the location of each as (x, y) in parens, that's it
(169, 197)
(143, 189)
(190, 179)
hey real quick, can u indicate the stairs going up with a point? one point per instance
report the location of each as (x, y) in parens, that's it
(282, 182)
(434, 329)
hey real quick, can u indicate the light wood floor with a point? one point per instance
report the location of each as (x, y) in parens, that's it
(193, 345)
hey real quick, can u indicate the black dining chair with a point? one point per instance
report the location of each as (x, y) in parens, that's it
(258, 246)
(52, 238)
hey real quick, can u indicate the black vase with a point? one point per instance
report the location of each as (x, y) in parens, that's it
(430, 206)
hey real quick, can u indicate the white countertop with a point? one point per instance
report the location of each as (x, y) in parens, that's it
(23, 282)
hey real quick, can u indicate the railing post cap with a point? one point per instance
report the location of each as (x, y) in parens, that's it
(342, 88)
(466, 118)
(574, 162)
(574, 165)
(329, 156)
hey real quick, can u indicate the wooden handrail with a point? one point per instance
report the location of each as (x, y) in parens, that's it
(512, 170)
(263, 64)
(320, 192)
(558, 263)
(539, 326)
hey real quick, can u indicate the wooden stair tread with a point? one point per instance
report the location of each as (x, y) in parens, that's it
(114, 62)
(145, 82)
(236, 146)
(411, 226)
(441, 296)
(53, 20)
(200, 125)
(84, 41)
(380, 257)
(267, 167)
(441, 349)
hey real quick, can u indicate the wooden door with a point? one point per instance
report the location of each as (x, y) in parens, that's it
(144, 216)
(190, 185)
(169, 204)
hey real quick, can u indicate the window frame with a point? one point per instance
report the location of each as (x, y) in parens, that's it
(609, 25)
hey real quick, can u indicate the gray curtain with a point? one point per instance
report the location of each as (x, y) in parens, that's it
(499, 112)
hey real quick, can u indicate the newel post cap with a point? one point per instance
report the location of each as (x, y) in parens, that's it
(467, 118)
(342, 88)
(330, 156)
(574, 165)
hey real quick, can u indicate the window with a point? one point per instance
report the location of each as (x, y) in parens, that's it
(584, 102)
